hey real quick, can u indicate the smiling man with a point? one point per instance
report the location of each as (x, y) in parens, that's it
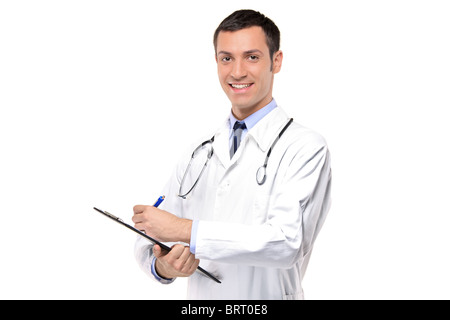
(248, 203)
(246, 68)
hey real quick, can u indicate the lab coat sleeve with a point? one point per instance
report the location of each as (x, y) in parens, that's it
(297, 209)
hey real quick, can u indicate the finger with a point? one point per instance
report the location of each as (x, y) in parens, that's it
(194, 265)
(136, 218)
(174, 254)
(186, 254)
(140, 227)
(157, 251)
(176, 251)
(190, 265)
(139, 208)
(190, 261)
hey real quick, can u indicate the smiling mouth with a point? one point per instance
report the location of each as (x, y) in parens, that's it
(240, 85)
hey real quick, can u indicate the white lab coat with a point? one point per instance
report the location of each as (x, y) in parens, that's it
(256, 239)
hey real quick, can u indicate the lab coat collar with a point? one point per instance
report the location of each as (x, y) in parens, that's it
(264, 133)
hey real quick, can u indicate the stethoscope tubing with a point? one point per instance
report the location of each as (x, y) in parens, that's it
(260, 173)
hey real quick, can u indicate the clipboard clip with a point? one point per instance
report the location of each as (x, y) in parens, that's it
(110, 215)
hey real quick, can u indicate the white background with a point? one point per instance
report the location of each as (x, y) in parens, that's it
(99, 98)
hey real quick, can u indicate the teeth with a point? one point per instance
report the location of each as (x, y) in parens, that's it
(240, 86)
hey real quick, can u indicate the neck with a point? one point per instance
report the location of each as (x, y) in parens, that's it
(242, 112)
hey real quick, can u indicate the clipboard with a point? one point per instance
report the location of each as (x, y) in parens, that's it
(154, 241)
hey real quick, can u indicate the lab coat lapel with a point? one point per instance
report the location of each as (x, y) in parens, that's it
(221, 144)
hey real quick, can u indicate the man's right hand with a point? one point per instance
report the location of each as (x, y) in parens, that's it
(178, 262)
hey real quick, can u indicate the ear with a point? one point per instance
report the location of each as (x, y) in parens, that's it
(277, 61)
(215, 56)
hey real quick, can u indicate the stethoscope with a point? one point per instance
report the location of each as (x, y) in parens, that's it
(260, 173)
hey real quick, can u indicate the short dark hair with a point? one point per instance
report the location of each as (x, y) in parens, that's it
(243, 19)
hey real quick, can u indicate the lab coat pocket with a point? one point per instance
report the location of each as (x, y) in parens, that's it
(260, 208)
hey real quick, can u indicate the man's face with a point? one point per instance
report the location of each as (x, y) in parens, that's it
(244, 68)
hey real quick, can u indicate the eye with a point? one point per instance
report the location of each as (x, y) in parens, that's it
(253, 58)
(226, 59)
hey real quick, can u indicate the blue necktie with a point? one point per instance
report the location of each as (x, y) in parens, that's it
(237, 133)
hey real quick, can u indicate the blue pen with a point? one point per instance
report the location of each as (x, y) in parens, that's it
(158, 202)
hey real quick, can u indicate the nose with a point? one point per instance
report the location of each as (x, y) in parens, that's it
(239, 72)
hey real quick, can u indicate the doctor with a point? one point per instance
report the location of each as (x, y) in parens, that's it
(248, 203)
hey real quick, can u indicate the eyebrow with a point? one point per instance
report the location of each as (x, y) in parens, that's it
(245, 52)
(254, 51)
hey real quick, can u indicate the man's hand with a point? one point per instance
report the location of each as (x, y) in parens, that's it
(161, 225)
(179, 262)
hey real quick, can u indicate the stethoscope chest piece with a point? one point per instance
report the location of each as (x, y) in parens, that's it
(261, 175)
